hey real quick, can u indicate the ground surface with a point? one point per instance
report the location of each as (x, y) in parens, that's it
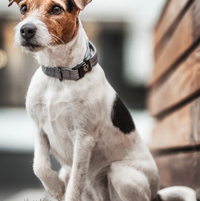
(30, 195)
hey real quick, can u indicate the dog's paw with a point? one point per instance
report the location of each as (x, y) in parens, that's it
(57, 190)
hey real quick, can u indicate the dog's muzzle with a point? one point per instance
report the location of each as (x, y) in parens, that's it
(28, 31)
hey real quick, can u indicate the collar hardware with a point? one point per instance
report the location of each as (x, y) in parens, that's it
(85, 68)
(60, 73)
(78, 71)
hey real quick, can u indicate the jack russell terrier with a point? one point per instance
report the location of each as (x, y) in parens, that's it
(78, 115)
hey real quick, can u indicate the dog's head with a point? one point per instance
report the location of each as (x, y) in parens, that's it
(47, 22)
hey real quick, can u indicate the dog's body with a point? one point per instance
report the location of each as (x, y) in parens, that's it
(76, 117)
(83, 123)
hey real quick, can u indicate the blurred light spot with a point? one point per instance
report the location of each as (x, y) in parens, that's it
(3, 59)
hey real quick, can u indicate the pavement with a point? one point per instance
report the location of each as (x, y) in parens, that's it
(31, 195)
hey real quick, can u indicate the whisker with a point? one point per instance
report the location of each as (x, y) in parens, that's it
(56, 37)
(53, 37)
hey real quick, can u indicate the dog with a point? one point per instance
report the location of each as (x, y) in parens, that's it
(78, 116)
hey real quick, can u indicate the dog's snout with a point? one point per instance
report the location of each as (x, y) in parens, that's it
(28, 31)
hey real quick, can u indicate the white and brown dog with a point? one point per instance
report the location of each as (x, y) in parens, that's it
(82, 121)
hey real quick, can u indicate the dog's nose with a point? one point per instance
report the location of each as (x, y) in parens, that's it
(28, 31)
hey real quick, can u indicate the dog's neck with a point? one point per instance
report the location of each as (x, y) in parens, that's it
(67, 55)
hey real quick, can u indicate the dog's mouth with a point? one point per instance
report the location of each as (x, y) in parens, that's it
(32, 47)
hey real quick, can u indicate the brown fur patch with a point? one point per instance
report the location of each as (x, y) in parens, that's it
(63, 27)
(82, 3)
(12, 1)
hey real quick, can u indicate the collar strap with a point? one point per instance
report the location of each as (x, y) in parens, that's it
(78, 71)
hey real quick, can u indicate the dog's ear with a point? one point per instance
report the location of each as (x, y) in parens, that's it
(12, 1)
(81, 4)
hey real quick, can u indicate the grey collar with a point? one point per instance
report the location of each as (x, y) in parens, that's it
(76, 72)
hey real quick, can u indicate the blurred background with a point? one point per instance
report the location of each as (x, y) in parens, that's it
(122, 33)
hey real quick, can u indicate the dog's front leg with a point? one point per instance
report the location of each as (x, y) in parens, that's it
(42, 168)
(81, 159)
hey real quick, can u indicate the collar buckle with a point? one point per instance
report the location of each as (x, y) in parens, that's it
(84, 68)
(60, 74)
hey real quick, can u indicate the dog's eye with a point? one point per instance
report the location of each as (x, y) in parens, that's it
(23, 9)
(56, 10)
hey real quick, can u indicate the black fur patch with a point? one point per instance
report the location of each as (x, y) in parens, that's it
(70, 5)
(121, 117)
(157, 198)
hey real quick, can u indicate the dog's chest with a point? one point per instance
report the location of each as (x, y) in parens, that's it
(56, 116)
(60, 110)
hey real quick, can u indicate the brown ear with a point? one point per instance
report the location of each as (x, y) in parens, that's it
(82, 3)
(12, 1)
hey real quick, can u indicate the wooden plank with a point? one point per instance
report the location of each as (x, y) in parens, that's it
(172, 11)
(183, 38)
(181, 169)
(179, 86)
(179, 129)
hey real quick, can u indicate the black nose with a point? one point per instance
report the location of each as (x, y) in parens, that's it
(28, 31)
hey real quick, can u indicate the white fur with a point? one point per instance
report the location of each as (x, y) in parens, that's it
(177, 193)
(73, 120)
(42, 36)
